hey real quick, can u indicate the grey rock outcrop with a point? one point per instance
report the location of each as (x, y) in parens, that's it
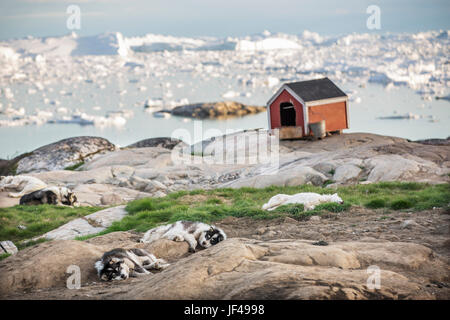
(166, 143)
(63, 153)
(237, 268)
(216, 110)
(87, 225)
(346, 159)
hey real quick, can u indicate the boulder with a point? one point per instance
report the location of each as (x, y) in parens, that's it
(76, 228)
(346, 172)
(87, 225)
(400, 168)
(7, 247)
(295, 177)
(111, 199)
(62, 154)
(325, 167)
(166, 143)
(140, 157)
(91, 194)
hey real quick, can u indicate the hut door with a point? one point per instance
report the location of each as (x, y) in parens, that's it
(287, 114)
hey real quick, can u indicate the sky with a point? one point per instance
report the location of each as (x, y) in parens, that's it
(219, 18)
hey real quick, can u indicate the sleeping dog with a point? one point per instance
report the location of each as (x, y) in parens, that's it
(120, 264)
(193, 233)
(50, 195)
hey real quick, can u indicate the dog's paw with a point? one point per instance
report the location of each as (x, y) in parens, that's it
(178, 238)
(161, 265)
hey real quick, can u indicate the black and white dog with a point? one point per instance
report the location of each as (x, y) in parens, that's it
(194, 233)
(120, 264)
(50, 195)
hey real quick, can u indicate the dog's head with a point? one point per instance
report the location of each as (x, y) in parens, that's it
(337, 199)
(211, 237)
(112, 269)
(68, 197)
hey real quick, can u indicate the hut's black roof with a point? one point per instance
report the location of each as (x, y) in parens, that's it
(317, 89)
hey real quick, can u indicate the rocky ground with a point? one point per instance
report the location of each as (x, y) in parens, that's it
(109, 176)
(263, 259)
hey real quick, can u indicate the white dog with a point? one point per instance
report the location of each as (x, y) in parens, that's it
(309, 200)
(21, 184)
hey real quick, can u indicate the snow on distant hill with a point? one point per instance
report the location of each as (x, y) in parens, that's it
(71, 45)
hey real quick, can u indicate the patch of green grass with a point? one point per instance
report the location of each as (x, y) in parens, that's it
(4, 256)
(402, 204)
(37, 220)
(75, 166)
(212, 205)
(29, 243)
(217, 204)
(333, 207)
(292, 209)
(376, 203)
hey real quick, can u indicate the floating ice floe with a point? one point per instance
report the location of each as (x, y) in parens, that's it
(408, 115)
(159, 114)
(7, 93)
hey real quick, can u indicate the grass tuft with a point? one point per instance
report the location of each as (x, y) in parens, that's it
(37, 220)
(4, 256)
(376, 204)
(75, 166)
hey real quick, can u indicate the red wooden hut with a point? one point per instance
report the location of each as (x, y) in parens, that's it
(296, 105)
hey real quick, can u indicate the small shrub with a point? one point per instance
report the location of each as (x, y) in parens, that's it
(376, 204)
(402, 204)
(293, 209)
(333, 207)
